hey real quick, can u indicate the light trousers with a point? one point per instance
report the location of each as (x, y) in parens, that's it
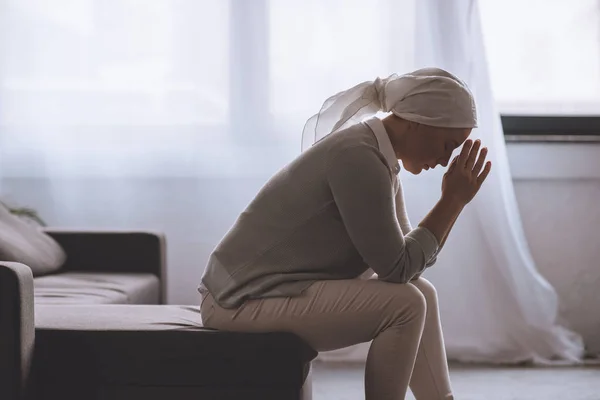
(401, 320)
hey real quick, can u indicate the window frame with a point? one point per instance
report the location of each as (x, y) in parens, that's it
(551, 128)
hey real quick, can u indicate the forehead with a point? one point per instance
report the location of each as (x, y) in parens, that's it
(458, 134)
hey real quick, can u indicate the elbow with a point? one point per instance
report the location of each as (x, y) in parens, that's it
(401, 272)
(396, 275)
(395, 279)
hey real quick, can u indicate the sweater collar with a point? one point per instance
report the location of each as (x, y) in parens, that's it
(384, 143)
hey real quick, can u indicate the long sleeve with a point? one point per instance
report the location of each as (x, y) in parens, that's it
(401, 213)
(363, 191)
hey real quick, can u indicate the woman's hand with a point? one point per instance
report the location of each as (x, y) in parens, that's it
(465, 176)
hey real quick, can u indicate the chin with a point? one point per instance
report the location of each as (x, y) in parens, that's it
(415, 171)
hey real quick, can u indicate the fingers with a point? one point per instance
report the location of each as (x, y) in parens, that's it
(473, 155)
(480, 161)
(452, 164)
(485, 173)
(464, 153)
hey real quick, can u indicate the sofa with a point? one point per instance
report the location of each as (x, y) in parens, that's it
(106, 267)
(100, 267)
(97, 328)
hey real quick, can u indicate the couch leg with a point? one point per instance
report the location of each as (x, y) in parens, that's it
(306, 393)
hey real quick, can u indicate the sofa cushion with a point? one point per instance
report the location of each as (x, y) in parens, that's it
(27, 244)
(97, 288)
(83, 348)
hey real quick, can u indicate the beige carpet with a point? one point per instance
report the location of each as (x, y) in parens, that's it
(345, 382)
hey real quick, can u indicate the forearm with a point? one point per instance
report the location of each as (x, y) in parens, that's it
(433, 260)
(448, 231)
(441, 218)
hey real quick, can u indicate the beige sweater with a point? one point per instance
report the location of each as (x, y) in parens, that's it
(332, 213)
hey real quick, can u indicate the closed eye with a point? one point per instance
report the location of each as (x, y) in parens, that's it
(451, 146)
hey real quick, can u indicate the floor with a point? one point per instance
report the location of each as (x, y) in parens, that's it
(345, 382)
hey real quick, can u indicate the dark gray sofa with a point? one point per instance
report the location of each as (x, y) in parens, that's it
(98, 332)
(106, 267)
(102, 267)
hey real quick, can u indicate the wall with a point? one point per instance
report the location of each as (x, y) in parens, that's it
(558, 191)
(557, 188)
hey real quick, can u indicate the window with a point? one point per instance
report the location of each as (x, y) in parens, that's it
(142, 83)
(119, 61)
(317, 50)
(544, 59)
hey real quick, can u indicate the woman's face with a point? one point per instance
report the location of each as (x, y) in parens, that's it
(428, 147)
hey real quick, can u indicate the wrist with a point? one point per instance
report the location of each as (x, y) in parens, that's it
(452, 203)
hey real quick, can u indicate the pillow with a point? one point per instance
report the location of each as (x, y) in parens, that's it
(27, 244)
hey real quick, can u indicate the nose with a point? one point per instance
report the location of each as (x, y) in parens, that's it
(445, 161)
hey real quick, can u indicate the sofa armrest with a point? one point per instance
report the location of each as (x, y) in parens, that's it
(17, 329)
(114, 251)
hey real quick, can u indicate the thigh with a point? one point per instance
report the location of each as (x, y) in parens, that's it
(329, 315)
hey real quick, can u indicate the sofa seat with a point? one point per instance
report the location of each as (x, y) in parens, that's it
(97, 288)
(155, 352)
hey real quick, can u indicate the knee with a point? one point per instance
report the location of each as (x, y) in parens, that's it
(427, 289)
(418, 302)
(401, 305)
(409, 302)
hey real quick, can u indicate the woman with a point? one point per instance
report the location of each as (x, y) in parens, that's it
(326, 250)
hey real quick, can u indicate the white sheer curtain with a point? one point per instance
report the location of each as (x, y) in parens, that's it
(523, 307)
(170, 115)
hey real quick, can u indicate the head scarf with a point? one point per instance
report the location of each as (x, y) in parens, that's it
(428, 96)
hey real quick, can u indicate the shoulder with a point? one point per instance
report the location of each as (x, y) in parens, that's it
(355, 141)
(353, 150)
(357, 163)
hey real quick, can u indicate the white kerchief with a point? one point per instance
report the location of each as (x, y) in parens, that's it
(429, 96)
